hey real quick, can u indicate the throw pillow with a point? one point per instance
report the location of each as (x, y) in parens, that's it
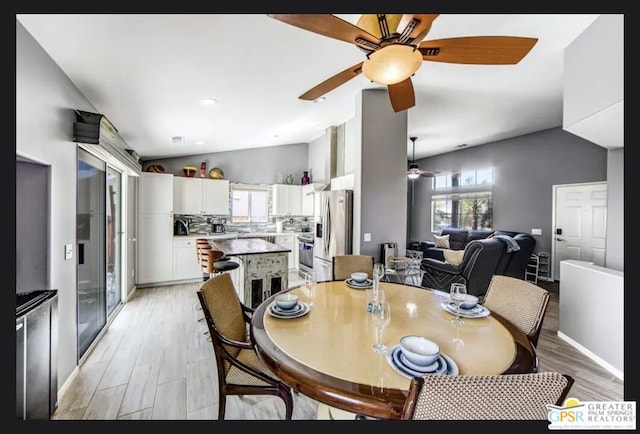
(442, 241)
(453, 257)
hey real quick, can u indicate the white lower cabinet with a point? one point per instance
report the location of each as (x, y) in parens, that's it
(185, 260)
(289, 242)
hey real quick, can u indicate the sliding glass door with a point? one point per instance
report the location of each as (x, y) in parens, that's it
(99, 233)
(114, 237)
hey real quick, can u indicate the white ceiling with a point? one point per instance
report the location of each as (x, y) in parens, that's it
(147, 73)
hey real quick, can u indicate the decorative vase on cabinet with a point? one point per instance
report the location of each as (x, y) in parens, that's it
(289, 179)
(305, 178)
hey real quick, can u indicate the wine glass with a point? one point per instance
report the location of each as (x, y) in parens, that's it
(310, 284)
(381, 319)
(458, 293)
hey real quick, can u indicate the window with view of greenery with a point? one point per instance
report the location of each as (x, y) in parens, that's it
(249, 203)
(464, 202)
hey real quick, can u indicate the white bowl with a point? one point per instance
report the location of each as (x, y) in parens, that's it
(469, 302)
(288, 300)
(419, 350)
(359, 277)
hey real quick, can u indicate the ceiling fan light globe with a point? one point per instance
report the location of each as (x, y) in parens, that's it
(413, 175)
(392, 64)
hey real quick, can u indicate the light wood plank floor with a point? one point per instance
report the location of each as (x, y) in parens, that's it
(155, 363)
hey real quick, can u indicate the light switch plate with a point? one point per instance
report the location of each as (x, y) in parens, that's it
(367, 236)
(68, 251)
(536, 231)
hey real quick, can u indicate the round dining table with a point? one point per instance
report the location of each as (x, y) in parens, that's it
(327, 354)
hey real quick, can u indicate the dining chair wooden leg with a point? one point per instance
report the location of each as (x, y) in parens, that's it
(222, 401)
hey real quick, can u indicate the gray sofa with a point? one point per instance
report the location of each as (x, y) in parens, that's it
(511, 263)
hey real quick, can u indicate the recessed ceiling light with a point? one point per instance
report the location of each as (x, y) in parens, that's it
(208, 101)
(320, 99)
(199, 142)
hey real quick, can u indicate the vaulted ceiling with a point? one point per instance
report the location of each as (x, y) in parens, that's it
(147, 73)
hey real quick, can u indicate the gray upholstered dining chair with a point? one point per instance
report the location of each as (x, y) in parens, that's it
(344, 265)
(521, 302)
(485, 397)
(240, 370)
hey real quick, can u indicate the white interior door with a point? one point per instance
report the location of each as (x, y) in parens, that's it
(580, 224)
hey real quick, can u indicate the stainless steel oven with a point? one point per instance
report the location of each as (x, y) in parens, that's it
(305, 252)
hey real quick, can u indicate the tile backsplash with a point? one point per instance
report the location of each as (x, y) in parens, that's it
(203, 224)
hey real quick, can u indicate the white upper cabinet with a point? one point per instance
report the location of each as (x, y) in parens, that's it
(345, 182)
(155, 193)
(200, 196)
(187, 195)
(215, 196)
(308, 199)
(286, 199)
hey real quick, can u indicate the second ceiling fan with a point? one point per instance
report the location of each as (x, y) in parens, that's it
(414, 171)
(394, 49)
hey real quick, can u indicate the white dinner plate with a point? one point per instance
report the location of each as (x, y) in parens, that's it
(359, 285)
(393, 359)
(274, 311)
(478, 311)
(287, 312)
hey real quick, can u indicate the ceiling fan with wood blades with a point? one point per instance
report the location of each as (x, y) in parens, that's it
(394, 49)
(414, 171)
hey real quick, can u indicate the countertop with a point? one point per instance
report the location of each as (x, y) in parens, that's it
(248, 246)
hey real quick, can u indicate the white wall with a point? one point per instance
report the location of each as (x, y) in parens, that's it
(45, 99)
(319, 154)
(591, 312)
(615, 210)
(593, 100)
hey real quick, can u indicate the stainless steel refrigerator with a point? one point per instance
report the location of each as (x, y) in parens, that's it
(334, 230)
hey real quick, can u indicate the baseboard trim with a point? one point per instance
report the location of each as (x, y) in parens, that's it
(612, 369)
(63, 389)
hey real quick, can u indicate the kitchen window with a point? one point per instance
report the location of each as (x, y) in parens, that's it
(249, 203)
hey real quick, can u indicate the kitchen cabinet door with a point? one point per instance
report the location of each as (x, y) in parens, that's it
(307, 200)
(185, 260)
(156, 193)
(155, 251)
(187, 195)
(286, 199)
(215, 196)
(288, 242)
(295, 200)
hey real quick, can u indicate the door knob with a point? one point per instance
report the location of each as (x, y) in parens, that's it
(559, 239)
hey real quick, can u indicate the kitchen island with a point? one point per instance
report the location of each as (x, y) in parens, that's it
(265, 267)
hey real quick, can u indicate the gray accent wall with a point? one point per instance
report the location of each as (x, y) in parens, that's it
(251, 166)
(32, 226)
(383, 180)
(615, 210)
(525, 170)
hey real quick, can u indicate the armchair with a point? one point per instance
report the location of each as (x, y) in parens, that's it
(479, 262)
